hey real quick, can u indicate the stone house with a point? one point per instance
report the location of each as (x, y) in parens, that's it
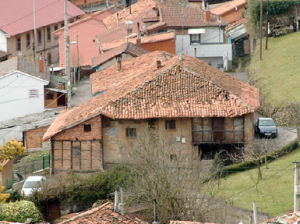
(17, 27)
(187, 101)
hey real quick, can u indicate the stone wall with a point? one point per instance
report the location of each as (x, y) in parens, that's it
(115, 140)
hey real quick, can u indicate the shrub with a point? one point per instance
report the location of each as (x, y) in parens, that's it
(20, 211)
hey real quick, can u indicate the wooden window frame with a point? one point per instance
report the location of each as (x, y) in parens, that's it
(50, 96)
(171, 124)
(130, 132)
(39, 37)
(87, 127)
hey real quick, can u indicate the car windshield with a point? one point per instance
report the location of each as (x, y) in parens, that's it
(32, 184)
(266, 123)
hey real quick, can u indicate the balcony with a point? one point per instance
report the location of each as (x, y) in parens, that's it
(220, 137)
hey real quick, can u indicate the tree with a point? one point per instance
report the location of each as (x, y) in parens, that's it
(171, 174)
(8, 151)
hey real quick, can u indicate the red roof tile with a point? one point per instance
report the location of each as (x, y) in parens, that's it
(129, 48)
(189, 17)
(17, 16)
(102, 215)
(227, 7)
(144, 40)
(184, 87)
(189, 222)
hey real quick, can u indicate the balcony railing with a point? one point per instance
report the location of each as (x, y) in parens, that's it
(218, 136)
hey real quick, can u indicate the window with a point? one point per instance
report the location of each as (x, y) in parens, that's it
(50, 96)
(62, 24)
(173, 157)
(87, 128)
(170, 124)
(28, 40)
(39, 37)
(33, 93)
(195, 38)
(130, 132)
(56, 28)
(48, 33)
(18, 43)
(49, 58)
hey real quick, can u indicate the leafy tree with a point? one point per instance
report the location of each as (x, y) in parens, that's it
(8, 151)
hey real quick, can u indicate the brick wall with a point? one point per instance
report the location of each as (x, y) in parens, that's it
(33, 138)
(234, 15)
(77, 133)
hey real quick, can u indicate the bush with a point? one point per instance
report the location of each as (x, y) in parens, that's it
(20, 211)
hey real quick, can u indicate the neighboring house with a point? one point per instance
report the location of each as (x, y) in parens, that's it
(230, 11)
(122, 52)
(198, 34)
(83, 39)
(238, 35)
(4, 56)
(29, 129)
(103, 214)
(189, 102)
(17, 27)
(6, 173)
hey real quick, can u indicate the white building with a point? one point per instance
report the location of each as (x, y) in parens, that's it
(198, 33)
(21, 88)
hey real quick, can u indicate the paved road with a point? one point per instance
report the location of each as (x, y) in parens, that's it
(285, 134)
(81, 92)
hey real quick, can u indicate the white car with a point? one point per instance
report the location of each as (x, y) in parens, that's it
(32, 184)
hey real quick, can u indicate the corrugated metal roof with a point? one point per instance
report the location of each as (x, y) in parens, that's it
(16, 16)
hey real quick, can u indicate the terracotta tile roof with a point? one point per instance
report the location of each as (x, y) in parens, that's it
(20, 64)
(190, 88)
(189, 222)
(290, 218)
(189, 17)
(17, 16)
(243, 20)
(138, 11)
(227, 7)
(102, 215)
(144, 40)
(129, 48)
(156, 27)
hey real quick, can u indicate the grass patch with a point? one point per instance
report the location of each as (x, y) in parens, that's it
(36, 156)
(273, 195)
(277, 74)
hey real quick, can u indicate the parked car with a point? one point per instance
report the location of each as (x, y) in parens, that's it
(266, 127)
(32, 184)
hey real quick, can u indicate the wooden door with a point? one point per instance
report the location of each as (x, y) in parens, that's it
(218, 127)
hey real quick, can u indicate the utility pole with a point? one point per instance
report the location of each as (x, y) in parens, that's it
(254, 213)
(296, 185)
(34, 30)
(67, 56)
(260, 27)
(267, 21)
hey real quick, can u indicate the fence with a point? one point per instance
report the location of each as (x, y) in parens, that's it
(27, 169)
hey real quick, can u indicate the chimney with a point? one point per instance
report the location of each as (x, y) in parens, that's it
(138, 39)
(207, 15)
(41, 65)
(158, 64)
(129, 27)
(119, 64)
(117, 19)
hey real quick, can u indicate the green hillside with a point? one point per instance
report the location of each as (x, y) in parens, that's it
(278, 74)
(274, 194)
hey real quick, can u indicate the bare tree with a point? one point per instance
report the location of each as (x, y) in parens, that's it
(173, 175)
